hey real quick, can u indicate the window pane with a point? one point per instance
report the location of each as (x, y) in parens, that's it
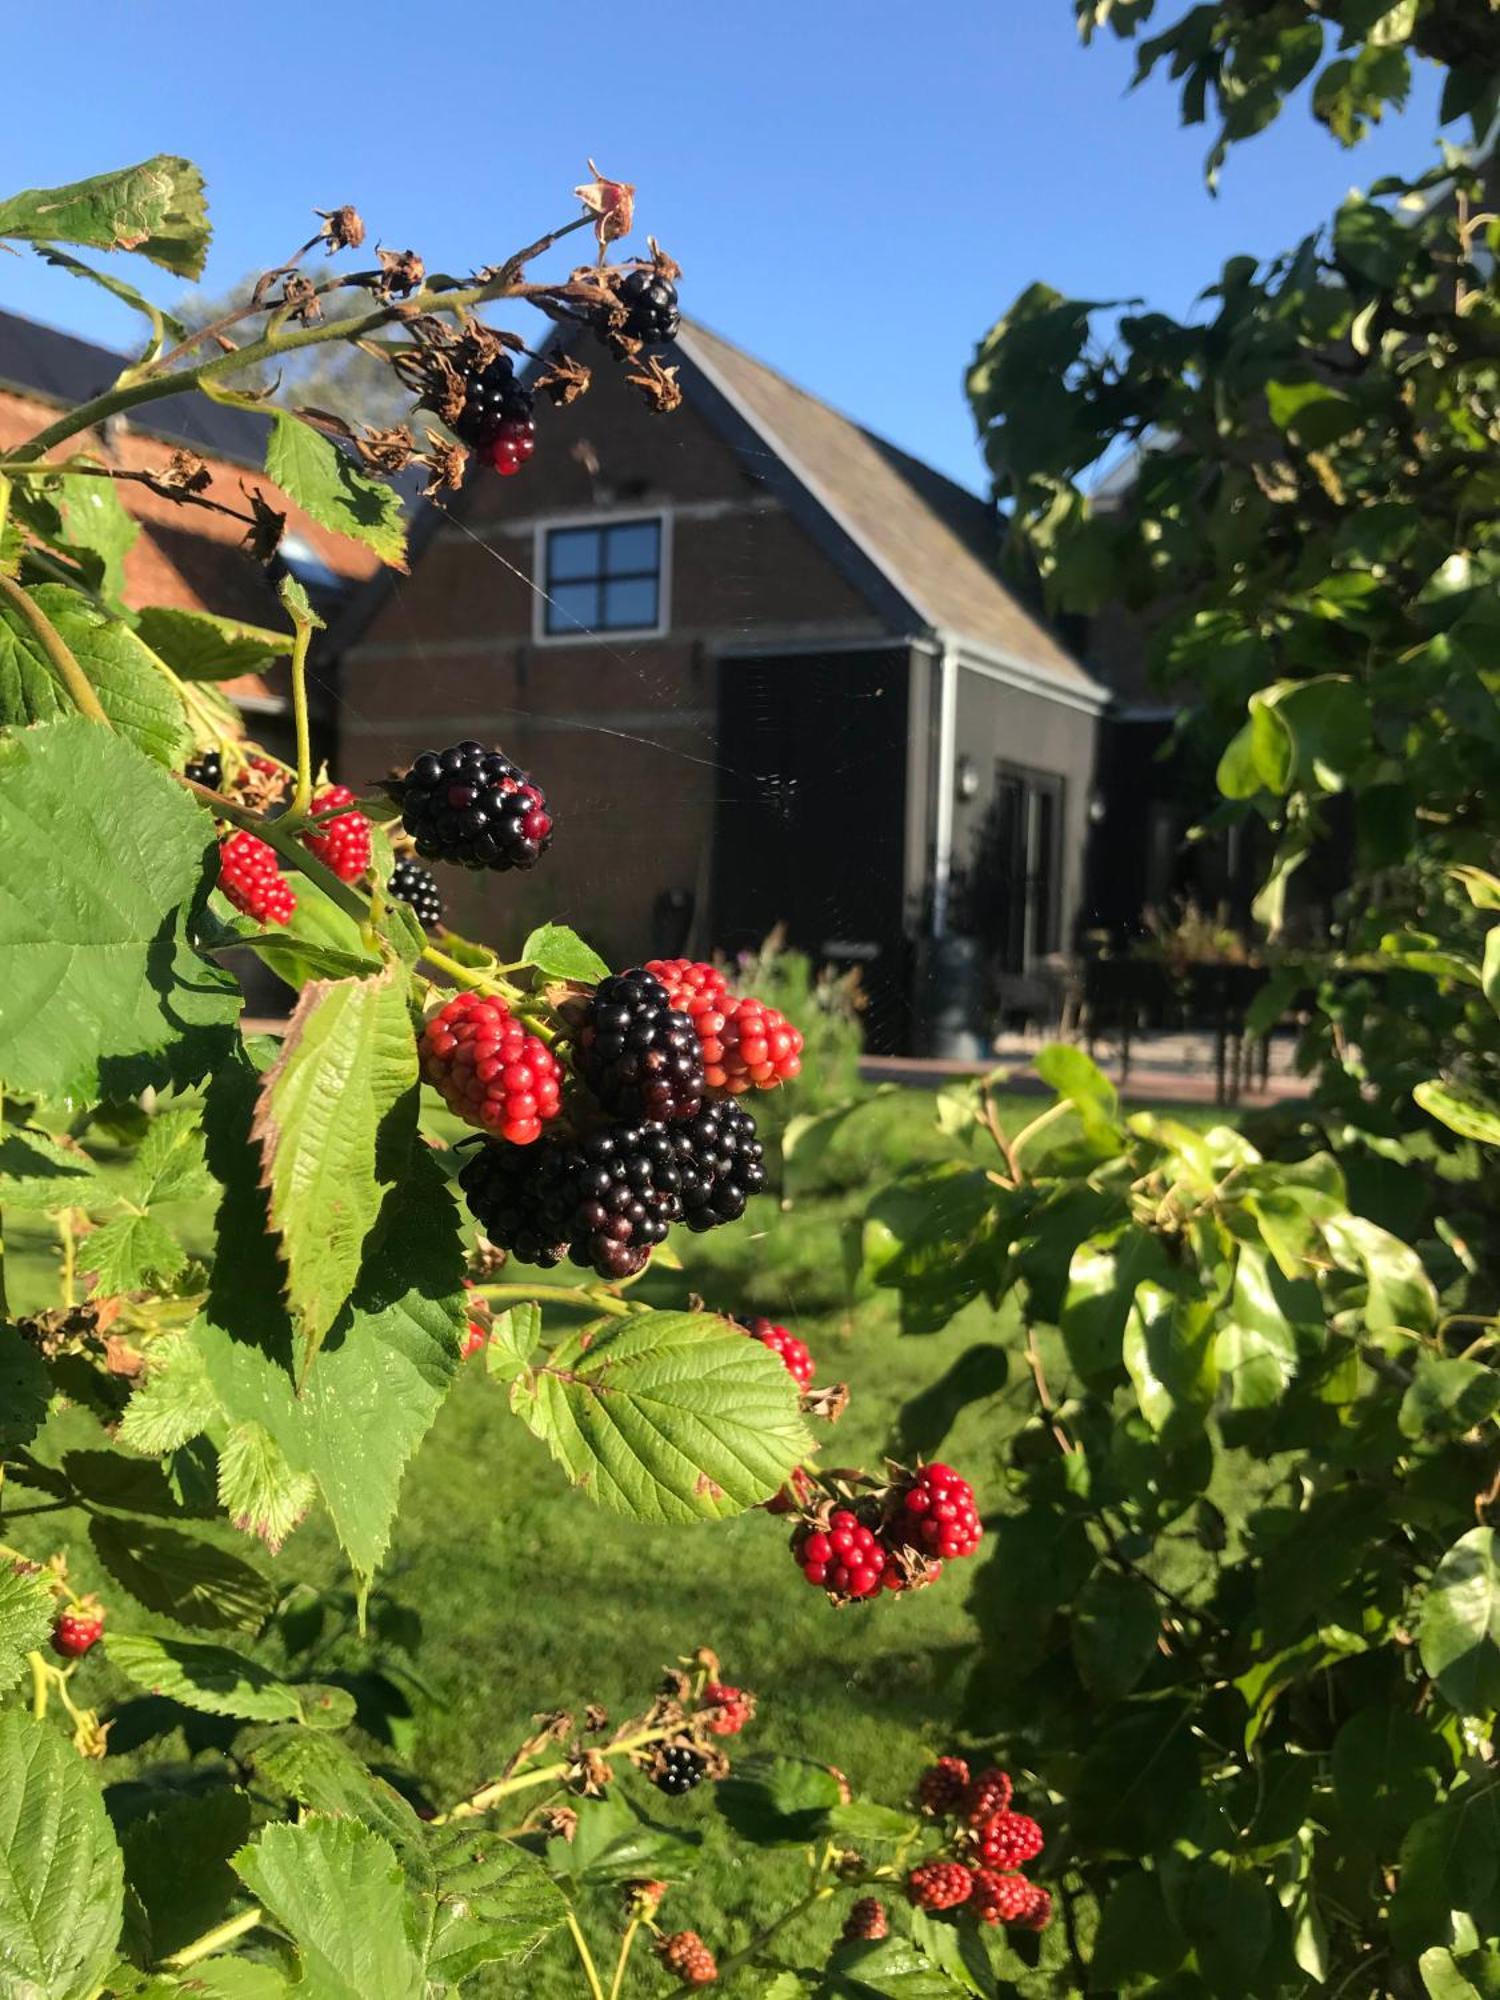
(573, 607)
(572, 552)
(633, 547)
(632, 604)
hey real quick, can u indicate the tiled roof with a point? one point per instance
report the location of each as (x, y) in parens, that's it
(934, 540)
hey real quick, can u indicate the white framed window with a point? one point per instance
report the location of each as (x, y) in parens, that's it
(601, 576)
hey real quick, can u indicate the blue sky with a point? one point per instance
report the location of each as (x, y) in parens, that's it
(855, 191)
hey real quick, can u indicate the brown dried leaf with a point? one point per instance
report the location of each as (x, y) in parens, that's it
(343, 228)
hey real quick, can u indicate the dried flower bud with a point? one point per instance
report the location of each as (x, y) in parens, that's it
(658, 384)
(299, 295)
(564, 380)
(185, 473)
(561, 1822)
(343, 228)
(611, 203)
(267, 526)
(389, 451)
(402, 272)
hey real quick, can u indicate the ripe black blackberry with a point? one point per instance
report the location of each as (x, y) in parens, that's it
(492, 397)
(637, 1054)
(678, 1770)
(205, 768)
(473, 806)
(414, 884)
(650, 303)
(726, 1165)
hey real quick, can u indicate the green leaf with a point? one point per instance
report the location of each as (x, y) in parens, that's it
(1443, 1979)
(1115, 1625)
(258, 1490)
(1137, 1937)
(175, 1403)
(212, 1679)
(169, 1163)
(513, 1339)
(1449, 1861)
(326, 484)
(1169, 1355)
(1102, 1281)
(1312, 413)
(667, 1416)
(38, 1173)
(614, 1843)
(162, 322)
(1461, 1109)
(1459, 1632)
(198, 646)
(322, 941)
(334, 1122)
(1138, 1782)
(559, 953)
(1076, 1077)
(336, 1890)
(106, 867)
(1227, 1919)
(27, 1609)
(895, 1969)
(1255, 1348)
(156, 208)
(25, 1389)
(96, 525)
(1371, 242)
(61, 1878)
(181, 1576)
(1387, 1767)
(495, 1904)
(133, 1253)
(777, 1801)
(133, 692)
(1448, 1397)
(1400, 1293)
(177, 1864)
(862, 1823)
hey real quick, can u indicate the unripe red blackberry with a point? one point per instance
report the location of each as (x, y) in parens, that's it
(795, 1355)
(637, 1054)
(1037, 1913)
(473, 806)
(866, 1921)
(476, 1339)
(686, 1956)
(936, 1513)
(689, 981)
(493, 398)
(752, 1047)
(251, 877)
(999, 1898)
(989, 1794)
(76, 1631)
(942, 1786)
(488, 1069)
(651, 311)
(1006, 1839)
(205, 767)
(510, 447)
(679, 1769)
(342, 844)
(416, 886)
(735, 1706)
(939, 1885)
(846, 1558)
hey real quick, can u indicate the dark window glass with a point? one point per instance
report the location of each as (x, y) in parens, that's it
(604, 579)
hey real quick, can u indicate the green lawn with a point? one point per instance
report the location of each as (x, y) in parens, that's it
(532, 1599)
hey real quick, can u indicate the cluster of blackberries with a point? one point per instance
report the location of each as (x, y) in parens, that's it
(638, 1055)
(679, 1769)
(473, 806)
(413, 884)
(206, 768)
(496, 419)
(650, 303)
(604, 1200)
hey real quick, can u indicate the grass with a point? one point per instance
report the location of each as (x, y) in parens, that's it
(531, 1599)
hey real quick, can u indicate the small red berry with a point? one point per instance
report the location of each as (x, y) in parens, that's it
(342, 844)
(736, 1708)
(513, 443)
(686, 1955)
(1006, 1839)
(846, 1558)
(748, 1046)
(488, 1069)
(75, 1631)
(1001, 1898)
(937, 1514)
(942, 1785)
(794, 1352)
(866, 1921)
(990, 1793)
(1038, 1912)
(475, 1339)
(251, 877)
(939, 1885)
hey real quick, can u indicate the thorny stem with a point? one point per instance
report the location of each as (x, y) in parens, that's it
(1044, 1394)
(278, 834)
(153, 387)
(68, 671)
(545, 1774)
(627, 1945)
(302, 796)
(211, 1941)
(590, 1970)
(571, 1295)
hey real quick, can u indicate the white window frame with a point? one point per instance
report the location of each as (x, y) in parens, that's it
(600, 517)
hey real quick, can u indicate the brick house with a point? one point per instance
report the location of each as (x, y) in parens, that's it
(764, 666)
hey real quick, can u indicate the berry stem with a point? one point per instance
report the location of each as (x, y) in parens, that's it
(570, 1295)
(67, 669)
(627, 1944)
(476, 981)
(545, 1774)
(302, 796)
(211, 1941)
(278, 834)
(590, 1970)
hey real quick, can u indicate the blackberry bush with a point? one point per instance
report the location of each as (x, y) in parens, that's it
(474, 807)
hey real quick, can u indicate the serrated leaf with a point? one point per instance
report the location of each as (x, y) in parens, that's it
(177, 1864)
(27, 1609)
(25, 1389)
(175, 1403)
(895, 1969)
(212, 1679)
(107, 863)
(861, 1822)
(182, 1576)
(667, 1416)
(61, 1878)
(777, 1801)
(168, 1165)
(559, 953)
(322, 941)
(1459, 1633)
(96, 523)
(1115, 1624)
(132, 1253)
(334, 1122)
(319, 1772)
(258, 1490)
(337, 1892)
(133, 692)
(326, 483)
(495, 1904)
(156, 209)
(37, 1173)
(612, 1842)
(198, 646)
(513, 1339)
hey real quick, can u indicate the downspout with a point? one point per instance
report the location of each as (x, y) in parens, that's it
(947, 751)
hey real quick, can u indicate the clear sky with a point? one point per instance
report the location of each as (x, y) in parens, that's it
(855, 191)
